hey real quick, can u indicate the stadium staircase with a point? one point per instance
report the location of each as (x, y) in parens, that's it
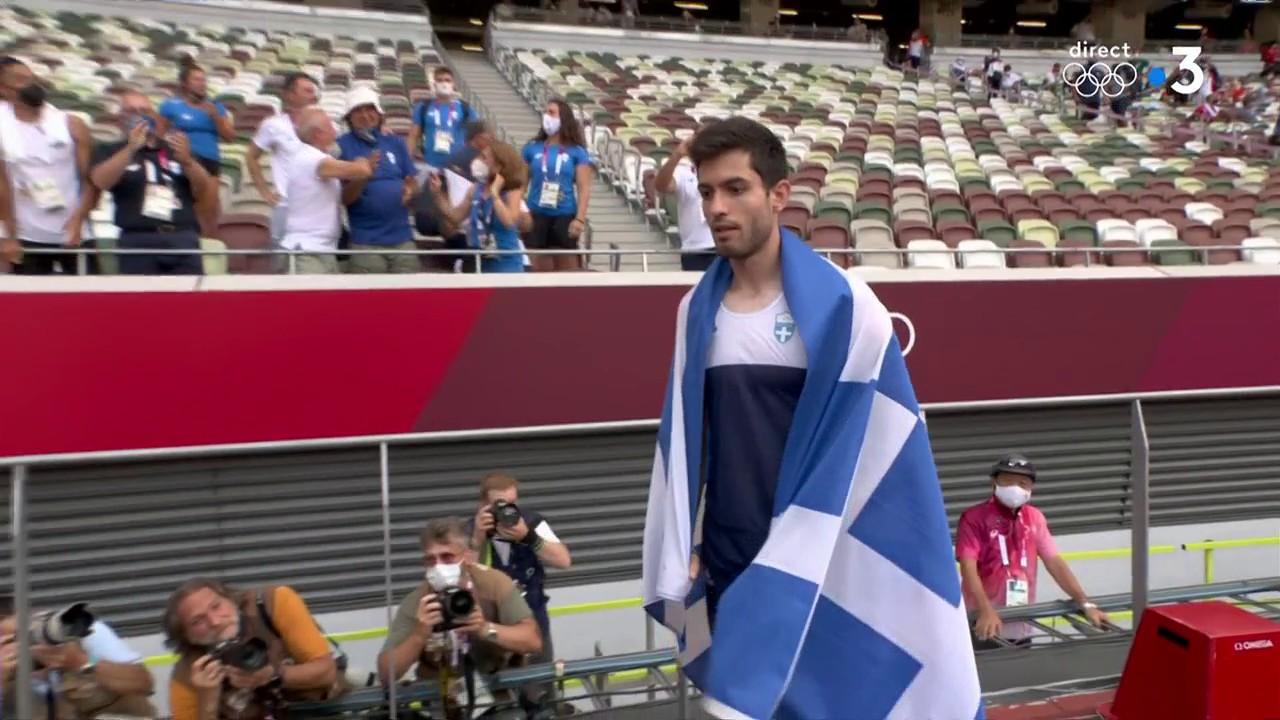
(613, 223)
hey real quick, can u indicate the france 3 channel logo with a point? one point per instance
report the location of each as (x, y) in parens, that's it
(1100, 69)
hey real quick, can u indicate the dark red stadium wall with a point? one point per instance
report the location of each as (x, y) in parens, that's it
(98, 371)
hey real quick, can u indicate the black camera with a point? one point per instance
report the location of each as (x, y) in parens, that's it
(456, 605)
(505, 514)
(249, 655)
(60, 626)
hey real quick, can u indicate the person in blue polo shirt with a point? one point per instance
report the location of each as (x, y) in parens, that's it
(490, 214)
(205, 122)
(559, 186)
(377, 208)
(439, 124)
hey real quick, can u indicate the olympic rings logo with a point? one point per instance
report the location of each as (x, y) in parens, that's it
(1107, 80)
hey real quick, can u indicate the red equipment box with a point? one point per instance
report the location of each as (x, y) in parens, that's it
(1201, 661)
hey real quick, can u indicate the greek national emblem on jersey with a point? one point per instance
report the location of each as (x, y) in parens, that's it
(784, 328)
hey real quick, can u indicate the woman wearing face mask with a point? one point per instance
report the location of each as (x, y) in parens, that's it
(998, 543)
(490, 212)
(560, 186)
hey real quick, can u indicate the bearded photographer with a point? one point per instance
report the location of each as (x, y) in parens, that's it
(462, 611)
(520, 543)
(83, 669)
(244, 655)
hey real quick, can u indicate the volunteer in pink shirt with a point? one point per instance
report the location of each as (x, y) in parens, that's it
(998, 544)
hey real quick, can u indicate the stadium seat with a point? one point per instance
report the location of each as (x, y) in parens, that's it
(980, 254)
(930, 254)
(1261, 250)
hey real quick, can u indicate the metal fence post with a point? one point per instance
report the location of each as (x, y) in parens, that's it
(649, 641)
(1140, 490)
(1208, 564)
(385, 483)
(293, 263)
(682, 694)
(21, 586)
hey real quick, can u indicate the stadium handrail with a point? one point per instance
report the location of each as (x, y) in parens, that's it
(796, 31)
(587, 608)
(646, 255)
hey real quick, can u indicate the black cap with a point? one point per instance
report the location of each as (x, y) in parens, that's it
(1015, 463)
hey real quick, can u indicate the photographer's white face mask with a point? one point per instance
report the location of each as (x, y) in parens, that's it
(1012, 496)
(479, 170)
(441, 575)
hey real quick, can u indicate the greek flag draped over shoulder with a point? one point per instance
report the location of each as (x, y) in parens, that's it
(852, 609)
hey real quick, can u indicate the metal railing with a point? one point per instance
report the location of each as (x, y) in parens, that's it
(908, 258)
(659, 23)
(1207, 548)
(20, 467)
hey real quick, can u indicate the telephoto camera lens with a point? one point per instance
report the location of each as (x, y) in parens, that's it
(248, 655)
(54, 628)
(456, 604)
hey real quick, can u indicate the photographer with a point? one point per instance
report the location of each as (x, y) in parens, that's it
(244, 655)
(461, 608)
(91, 673)
(518, 542)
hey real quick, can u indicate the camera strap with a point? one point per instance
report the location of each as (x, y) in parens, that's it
(469, 681)
(260, 599)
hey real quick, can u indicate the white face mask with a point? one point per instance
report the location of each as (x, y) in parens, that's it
(444, 89)
(1012, 496)
(479, 170)
(441, 576)
(550, 125)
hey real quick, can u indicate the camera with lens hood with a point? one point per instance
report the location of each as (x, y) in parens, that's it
(56, 627)
(249, 655)
(505, 514)
(456, 605)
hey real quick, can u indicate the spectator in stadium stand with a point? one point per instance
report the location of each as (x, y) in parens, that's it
(499, 632)
(858, 31)
(378, 208)
(160, 191)
(675, 177)
(439, 124)
(520, 550)
(278, 135)
(45, 193)
(560, 185)
(915, 49)
(479, 135)
(1269, 54)
(203, 121)
(998, 543)
(97, 675)
(490, 215)
(630, 11)
(313, 221)
(203, 613)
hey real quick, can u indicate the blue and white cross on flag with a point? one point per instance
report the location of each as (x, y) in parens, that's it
(852, 609)
(784, 327)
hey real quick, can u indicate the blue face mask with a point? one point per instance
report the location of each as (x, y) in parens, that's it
(134, 120)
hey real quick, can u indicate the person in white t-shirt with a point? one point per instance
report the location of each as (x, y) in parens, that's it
(278, 135)
(312, 218)
(677, 177)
